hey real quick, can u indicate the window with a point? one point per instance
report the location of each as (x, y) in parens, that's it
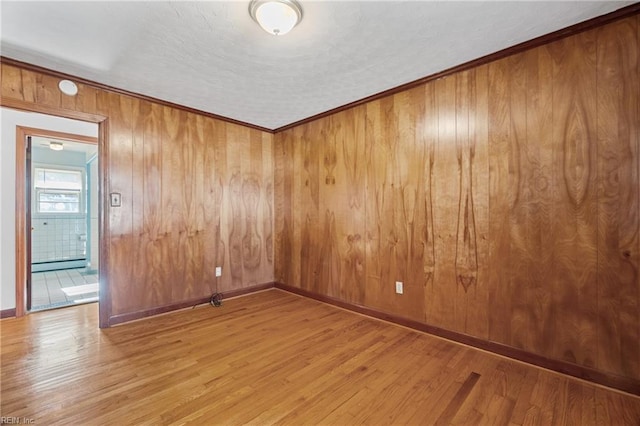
(58, 190)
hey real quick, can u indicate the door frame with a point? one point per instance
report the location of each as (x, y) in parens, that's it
(104, 302)
(23, 212)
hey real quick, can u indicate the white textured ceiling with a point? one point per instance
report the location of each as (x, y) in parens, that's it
(211, 56)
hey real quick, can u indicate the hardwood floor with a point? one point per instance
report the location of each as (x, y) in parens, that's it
(274, 357)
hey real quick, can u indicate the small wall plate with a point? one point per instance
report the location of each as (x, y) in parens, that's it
(116, 199)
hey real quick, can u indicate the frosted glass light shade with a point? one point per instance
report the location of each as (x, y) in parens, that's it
(276, 17)
(68, 87)
(56, 146)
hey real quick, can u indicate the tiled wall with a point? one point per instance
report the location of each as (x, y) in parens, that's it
(56, 238)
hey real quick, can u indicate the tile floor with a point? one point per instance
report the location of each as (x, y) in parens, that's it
(55, 289)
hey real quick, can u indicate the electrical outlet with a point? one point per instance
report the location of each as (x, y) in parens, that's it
(218, 271)
(399, 287)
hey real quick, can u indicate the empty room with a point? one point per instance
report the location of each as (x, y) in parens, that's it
(320, 212)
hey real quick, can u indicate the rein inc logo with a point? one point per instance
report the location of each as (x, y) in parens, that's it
(10, 420)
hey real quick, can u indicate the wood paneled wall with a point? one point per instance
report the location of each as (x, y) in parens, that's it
(505, 197)
(196, 193)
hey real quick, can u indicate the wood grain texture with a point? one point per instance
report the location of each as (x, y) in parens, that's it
(283, 220)
(505, 197)
(574, 205)
(466, 244)
(306, 220)
(476, 300)
(499, 201)
(277, 358)
(196, 193)
(615, 381)
(533, 258)
(342, 201)
(618, 139)
(398, 199)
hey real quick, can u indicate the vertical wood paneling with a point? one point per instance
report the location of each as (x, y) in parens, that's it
(468, 238)
(167, 203)
(411, 192)
(352, 142)
(400, 242)
(387, 251)
(518, 274)
(283, 221)
(505, 197)
(618, 202)
(575, 203)
(176, 129)
(252, 183)
(211, 203)
(534, 322)
(152, 206)
(193, 206)
(306, 223)
(376, 169)
(446, 199)
(141, 110)
(120, 218)
(477, 297)
(499, 200)
(342, 206)
(46, 91)
(12, 84)
(28, 86)
(328, 267)
(235, 152)
(174, 170)
(266, 210)
(466, 264)
(429, 127)
(221, 205)
(85, 100)
(196, 275)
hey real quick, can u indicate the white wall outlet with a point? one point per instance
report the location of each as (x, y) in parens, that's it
(218, 271)
(399, 287)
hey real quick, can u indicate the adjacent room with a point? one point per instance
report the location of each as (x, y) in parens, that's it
(64, 213)
(320, 212)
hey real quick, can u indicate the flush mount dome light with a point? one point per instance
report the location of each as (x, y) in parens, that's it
(68, 87)
(276, 17)
(56, 146)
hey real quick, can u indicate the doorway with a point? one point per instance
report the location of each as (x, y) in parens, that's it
(61, 196)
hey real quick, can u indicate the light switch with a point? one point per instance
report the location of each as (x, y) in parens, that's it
(116, 200)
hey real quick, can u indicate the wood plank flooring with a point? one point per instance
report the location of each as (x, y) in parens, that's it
(275, 358)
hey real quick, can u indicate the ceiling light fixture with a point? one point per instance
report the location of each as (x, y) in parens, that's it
(276, 17)
(56, 146)
(68, 87)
